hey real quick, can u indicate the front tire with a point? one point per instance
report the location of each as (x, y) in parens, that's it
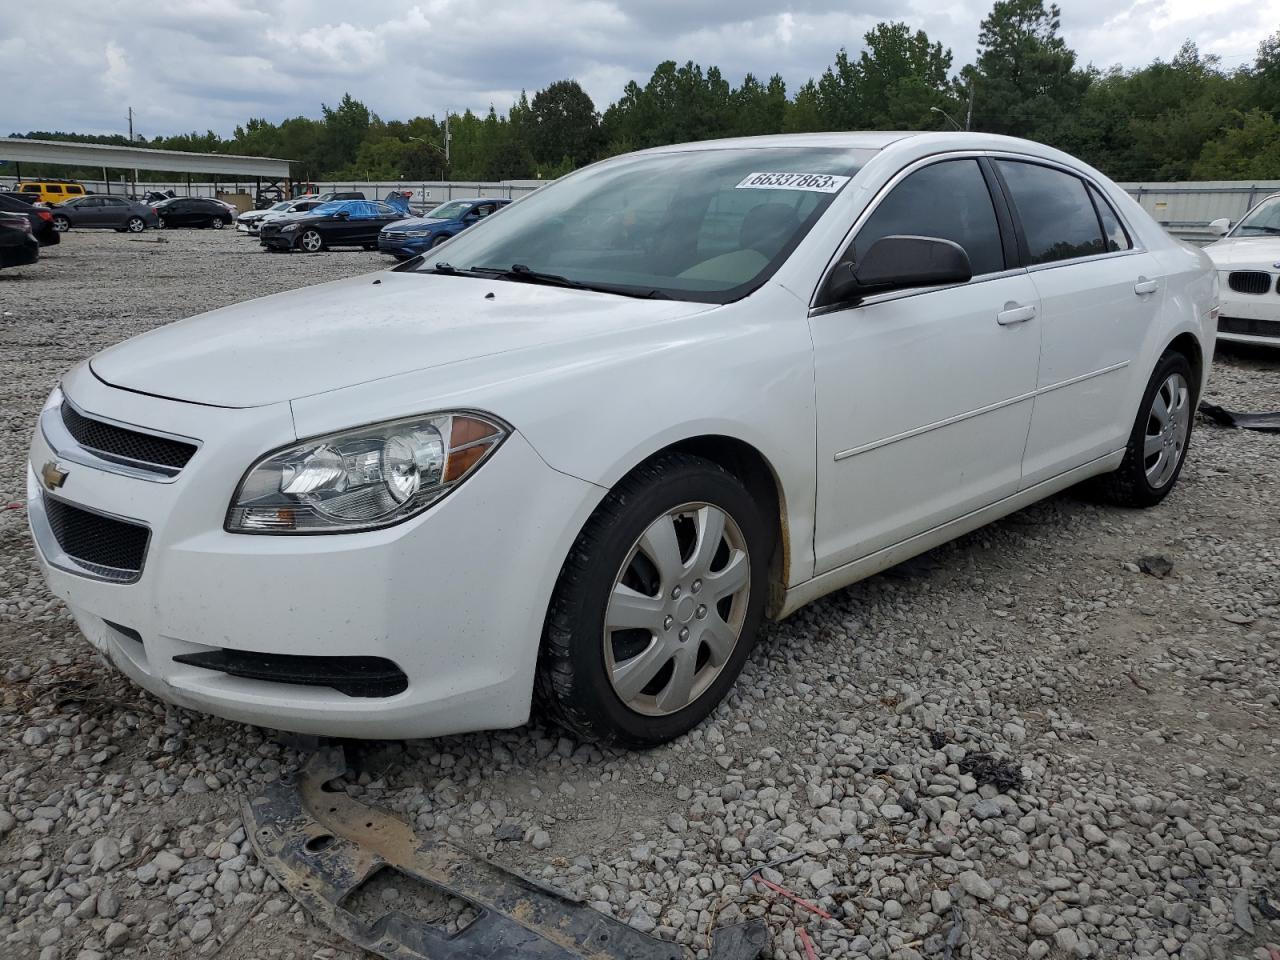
(1158, 442)
(311, 241)
(658, 604)
(439, 240)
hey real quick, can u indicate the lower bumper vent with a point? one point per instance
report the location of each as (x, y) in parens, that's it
(353, 676)
(1249, 327)
(110, 548)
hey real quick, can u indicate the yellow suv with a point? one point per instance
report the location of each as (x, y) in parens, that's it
(51, 191)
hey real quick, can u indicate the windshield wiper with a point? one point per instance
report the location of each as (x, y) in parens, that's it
(520, 273)
(523, 274)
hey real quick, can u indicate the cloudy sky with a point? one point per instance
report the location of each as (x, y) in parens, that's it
(209, 64)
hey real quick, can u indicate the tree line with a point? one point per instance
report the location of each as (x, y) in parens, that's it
(1187, 118)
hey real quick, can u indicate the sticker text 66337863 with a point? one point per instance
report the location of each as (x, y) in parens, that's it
(815, 182)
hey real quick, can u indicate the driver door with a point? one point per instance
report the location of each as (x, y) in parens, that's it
(924, 396)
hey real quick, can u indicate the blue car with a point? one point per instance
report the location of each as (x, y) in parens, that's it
(408, 238)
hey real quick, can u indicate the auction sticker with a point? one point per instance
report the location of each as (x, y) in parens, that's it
(815, 182)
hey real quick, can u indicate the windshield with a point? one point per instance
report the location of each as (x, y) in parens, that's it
(450, 211)
(282, 205)
(703, 225)
(1262, 221)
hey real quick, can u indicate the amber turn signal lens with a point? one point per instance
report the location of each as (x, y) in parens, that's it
(468, 430)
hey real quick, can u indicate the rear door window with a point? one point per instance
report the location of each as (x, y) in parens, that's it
(1058, 218)
(948, 200)
(53, 188)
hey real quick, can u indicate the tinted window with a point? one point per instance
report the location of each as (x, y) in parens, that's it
(31, 188)
(1116, 235)
(53, 188)
(1057, 216)
(948, 200)
(112, 202)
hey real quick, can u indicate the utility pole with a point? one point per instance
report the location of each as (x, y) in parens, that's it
(968, 117)
(131, 125)
(447, 138)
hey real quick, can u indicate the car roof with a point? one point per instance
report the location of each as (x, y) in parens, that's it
(868, 140)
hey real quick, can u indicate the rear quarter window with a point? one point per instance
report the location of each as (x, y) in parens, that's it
(1113, 230)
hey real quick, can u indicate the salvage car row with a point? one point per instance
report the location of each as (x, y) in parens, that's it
(311, 226)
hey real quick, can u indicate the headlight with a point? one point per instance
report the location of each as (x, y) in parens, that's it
(363, 479)
(289, 227)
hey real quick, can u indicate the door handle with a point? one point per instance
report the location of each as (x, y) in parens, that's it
(1145, 286)
(1015, 313)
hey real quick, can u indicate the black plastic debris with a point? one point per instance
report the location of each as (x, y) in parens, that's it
(1268, 910)
(1004, 775)
(938, 739)
(329, 852)
(1269, 422)
(1158, 566)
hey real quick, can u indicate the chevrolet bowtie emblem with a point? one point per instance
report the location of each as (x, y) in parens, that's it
(51, 476)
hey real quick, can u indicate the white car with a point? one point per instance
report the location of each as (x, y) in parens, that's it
(578, 454)
(278, 210)
(250, 220)
(1248, 262)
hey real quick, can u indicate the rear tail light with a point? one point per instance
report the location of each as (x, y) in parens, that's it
(44, 215)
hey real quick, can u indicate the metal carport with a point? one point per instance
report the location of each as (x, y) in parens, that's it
(107, 156)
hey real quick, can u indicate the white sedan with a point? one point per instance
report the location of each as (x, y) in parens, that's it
(250, 220)
(1248, 262)
(579, 453)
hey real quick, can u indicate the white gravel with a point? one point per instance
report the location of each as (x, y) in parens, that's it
(1140, 713)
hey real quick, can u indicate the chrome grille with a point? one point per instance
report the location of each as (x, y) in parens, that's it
(1249, 281)
(109, 548)
(120, 443)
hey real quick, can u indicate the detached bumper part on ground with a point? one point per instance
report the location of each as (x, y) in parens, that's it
(322, 847)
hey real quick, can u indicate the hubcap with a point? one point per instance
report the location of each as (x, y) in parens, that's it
(311, 241)
(1168, 424)
(676, 611)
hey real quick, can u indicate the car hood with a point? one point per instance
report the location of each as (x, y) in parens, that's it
(416, 223)
(339, 334)
(1261, 252)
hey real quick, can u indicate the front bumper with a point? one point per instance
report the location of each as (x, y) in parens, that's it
(455, 597)
(1248, 317)
(403, 248)
(277, 241)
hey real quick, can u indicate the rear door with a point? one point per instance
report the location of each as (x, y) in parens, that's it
(924, 396)
(1099, 296)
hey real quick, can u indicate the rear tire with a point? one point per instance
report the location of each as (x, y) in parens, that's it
(216, 223)
(1158, 442)
(641, 643)
(136, 225)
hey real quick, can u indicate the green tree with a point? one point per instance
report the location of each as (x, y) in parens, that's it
(1248, 151)
(1024, 79)
(565, 124)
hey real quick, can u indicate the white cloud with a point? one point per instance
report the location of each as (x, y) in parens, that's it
(211, 64)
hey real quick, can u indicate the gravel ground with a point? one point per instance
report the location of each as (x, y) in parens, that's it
(1018, 745)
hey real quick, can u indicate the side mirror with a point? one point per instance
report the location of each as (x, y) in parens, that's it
(899, 263)
(1220, 226)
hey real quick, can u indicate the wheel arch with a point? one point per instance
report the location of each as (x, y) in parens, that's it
(1187, 344)
(746, 462)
